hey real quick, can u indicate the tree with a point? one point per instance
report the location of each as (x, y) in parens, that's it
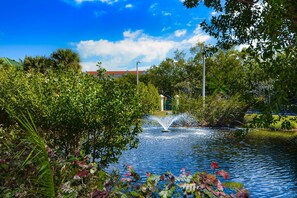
(270, 29)
(66, 59)
(272, 25)
(168, 74)
(38, 63)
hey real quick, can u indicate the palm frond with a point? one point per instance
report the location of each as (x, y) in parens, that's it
(38, 155)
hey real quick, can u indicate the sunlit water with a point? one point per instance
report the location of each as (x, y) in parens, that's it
(267, 168)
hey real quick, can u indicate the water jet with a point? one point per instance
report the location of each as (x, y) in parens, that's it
(166, 121)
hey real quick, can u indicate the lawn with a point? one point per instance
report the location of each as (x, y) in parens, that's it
(279, 121)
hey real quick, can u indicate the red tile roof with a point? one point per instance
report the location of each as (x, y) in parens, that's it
(117, 73)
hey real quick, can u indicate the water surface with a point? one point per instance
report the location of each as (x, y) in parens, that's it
(268, 168)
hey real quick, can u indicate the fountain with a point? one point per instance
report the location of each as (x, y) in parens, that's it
(166, 121)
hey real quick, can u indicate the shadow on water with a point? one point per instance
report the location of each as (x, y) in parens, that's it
(267, 167)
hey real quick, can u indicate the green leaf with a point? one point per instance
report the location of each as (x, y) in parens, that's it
(233, 185)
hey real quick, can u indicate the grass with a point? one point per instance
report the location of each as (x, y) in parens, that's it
(279, 120)
(263, 134)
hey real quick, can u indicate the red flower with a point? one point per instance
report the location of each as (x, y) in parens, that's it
(214, 165)
(224, 174)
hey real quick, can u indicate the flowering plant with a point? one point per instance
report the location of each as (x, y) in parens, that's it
(98, 184)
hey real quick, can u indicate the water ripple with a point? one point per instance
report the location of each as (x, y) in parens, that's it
(268, 169)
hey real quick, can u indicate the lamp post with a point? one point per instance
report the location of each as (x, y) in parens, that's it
(137, 72)
(203, 73)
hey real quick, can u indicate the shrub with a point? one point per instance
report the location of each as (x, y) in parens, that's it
(74, 110)
(217, 111)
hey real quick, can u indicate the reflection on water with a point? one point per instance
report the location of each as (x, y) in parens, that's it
(267, 168)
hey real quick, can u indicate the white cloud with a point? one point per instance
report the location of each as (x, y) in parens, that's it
(179, 33)
(132, 35)
(166, 13)
(129, 6)
(199, 36)
(165, 29)
(154, 9)
(135, 45)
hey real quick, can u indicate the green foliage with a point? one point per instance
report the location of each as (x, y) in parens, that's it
(218, 110)
(269, 28)
(74, 110)
(65, 60)
(172, 75)
(39, 156)
(37, 64)
(62, 60)
(147, 93)
(262, 121)
(272, 23)
(149, 98)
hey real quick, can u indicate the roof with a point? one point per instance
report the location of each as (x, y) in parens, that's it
(11, 62)
(117, 73)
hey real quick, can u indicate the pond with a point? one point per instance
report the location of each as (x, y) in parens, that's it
(267, 168)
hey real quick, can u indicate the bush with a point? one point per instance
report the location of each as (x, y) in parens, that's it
(74, 110)
(218, 110)
(149, 98)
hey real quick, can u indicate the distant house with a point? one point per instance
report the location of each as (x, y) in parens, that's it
(10, 62)
(116, 74)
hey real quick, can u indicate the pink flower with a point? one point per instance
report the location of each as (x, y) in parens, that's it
(183, 170)
(214, 165)
(220, 186)
(129, 168)
(148, 174)
(126, 179)
(224, 174)
(128, 174)
(188, 173)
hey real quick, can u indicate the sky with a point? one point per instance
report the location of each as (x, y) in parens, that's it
(117, 33)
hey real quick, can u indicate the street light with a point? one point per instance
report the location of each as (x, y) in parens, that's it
(203, 73)
(137, 72)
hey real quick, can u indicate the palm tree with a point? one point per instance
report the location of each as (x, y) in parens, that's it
(66, 59)
(38, 63)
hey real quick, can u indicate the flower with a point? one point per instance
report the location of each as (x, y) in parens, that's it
(214, 165)
(128, 174)
(223, 173)
(126, 179)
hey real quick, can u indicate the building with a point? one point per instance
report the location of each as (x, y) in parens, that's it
(10, 62)
(116, 74)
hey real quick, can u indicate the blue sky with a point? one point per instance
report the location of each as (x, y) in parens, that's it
(116, 32)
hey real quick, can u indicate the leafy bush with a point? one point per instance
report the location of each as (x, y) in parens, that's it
(88, 181)
(149, 98)
(74, 110)
(217, 111)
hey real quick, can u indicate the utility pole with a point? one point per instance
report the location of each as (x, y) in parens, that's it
(137, 81)
(203, 75)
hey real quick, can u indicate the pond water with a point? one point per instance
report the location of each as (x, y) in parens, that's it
(267, 168)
